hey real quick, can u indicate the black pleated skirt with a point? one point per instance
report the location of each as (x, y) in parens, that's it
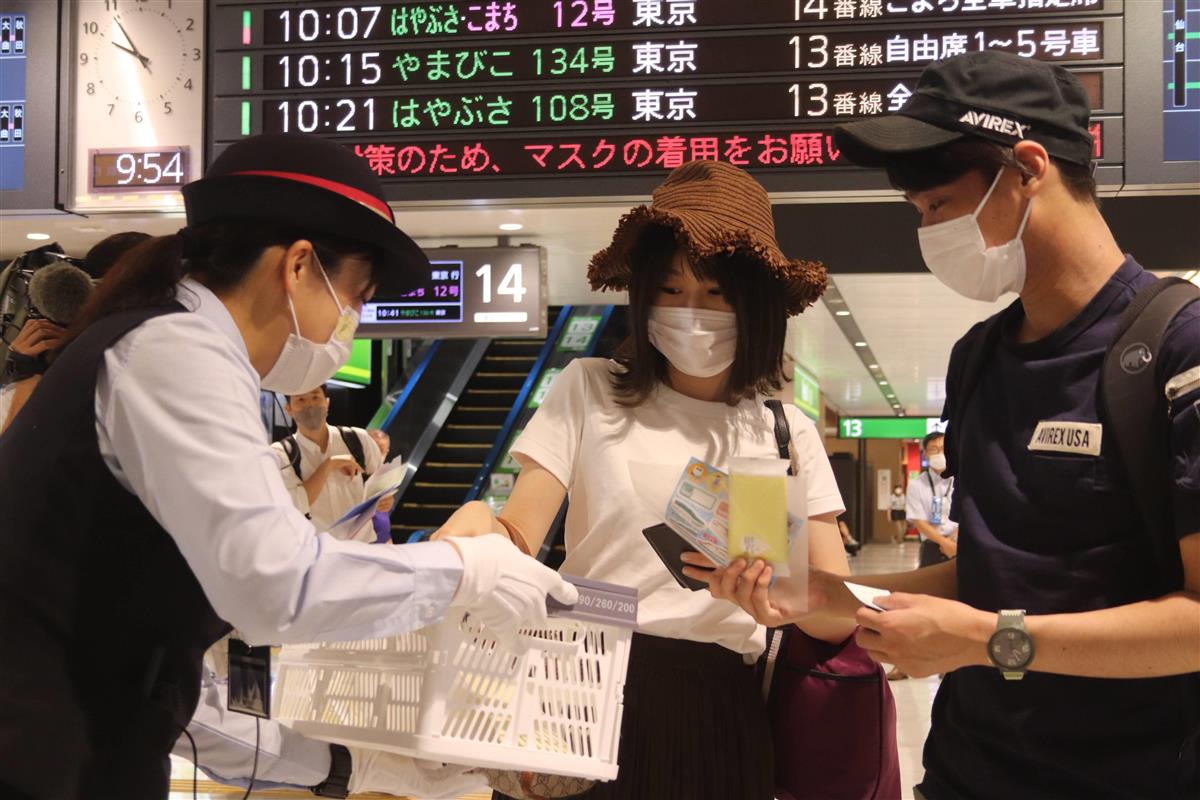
(695, 727)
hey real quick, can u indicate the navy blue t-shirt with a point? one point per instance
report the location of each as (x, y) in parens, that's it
(1058, 532)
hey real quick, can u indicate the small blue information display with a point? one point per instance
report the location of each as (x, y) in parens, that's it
(1181, 84)
(13, 60)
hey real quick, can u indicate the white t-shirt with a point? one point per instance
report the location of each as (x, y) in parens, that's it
(587, 441)
(921, 496)
(341, 492)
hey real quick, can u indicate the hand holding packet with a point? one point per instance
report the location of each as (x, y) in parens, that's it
(383, 483)
(699, 512)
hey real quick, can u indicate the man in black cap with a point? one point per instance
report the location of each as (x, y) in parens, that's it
(1094, 693)
(994, 153)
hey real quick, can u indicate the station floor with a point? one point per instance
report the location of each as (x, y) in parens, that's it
(913, 701)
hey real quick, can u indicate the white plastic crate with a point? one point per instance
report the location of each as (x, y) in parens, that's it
(450, 693)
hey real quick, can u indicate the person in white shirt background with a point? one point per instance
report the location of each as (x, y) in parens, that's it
(928, 506)
(331, 479)
(709, 297)
(180, 525)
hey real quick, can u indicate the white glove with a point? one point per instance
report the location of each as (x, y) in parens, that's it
(503, 588)
(377, 771)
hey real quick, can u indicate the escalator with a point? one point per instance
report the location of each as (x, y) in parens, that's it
(458, 453)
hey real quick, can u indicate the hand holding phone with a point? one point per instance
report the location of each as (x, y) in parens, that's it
(670, 546)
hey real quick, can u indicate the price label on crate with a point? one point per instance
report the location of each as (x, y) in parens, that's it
(605, 603)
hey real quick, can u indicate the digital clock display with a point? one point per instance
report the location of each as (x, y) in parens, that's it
(136, 169)
(455, 98)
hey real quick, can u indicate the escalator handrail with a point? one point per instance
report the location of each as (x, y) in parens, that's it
(494, 454)
(411, 384)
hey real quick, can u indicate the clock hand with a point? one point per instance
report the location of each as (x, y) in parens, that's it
(135, 52)
(145, 61)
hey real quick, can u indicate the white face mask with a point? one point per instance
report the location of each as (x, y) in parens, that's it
(937, 462)
(303, 365)
(697, 342)
(957, 254)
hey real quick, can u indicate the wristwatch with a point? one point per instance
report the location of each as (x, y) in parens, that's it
(1010, 648)
(338, 782)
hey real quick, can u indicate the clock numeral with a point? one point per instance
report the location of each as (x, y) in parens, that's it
(137, 116)
(191, 24)
(111, 106)
(167, 108)
(195, 54)
(83, 58)
(188, 84)
(91, 88)
(91, 27)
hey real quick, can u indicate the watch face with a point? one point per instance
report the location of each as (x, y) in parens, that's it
(1011, 648)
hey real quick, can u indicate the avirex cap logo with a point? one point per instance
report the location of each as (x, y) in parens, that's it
(994, 122)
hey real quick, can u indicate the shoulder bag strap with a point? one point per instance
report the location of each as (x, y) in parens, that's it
(1135, 412)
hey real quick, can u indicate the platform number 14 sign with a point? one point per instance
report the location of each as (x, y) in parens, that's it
(511, 284)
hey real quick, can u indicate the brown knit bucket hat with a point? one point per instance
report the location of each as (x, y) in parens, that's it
(714, 208)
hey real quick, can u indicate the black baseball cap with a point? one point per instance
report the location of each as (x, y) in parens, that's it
(988, 95)
(310, 184)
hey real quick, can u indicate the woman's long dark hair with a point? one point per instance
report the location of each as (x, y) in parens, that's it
(754, 294)
(219, 255)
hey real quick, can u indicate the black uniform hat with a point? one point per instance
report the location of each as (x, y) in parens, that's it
(310, 184)
(989, 95)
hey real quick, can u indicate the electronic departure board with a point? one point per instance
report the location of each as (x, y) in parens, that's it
(472, 292)
(489, 99)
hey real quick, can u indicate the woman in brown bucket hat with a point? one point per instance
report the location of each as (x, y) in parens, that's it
(709, 298)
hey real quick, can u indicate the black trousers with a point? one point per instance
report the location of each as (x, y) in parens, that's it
(695, 727)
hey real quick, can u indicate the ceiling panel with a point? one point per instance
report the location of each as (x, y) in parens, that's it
(818, 345)
(911, 322)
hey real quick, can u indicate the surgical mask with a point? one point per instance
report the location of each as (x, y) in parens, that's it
(312, 416)
(958, 256)
(304, 365)
(937, 462)
(697, 342)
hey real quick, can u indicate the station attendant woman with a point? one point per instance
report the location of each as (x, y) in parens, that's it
(143, 509)
(709, 298)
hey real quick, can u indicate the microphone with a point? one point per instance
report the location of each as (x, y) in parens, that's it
(59, 291)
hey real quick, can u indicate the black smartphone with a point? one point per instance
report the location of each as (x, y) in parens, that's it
(670, 546)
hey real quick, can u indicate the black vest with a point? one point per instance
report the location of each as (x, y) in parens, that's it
(102, 624)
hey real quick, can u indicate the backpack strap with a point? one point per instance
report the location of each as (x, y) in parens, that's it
(355, 446)
(1135, 412)
(292, 449)
(783, 434)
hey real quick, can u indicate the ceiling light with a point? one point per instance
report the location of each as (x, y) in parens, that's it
(511, 226)
(37, 237)
(883, 383)
(860, 344)
(872, 366)
(842, 313)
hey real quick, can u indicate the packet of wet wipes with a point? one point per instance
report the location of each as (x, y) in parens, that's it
(699, 510)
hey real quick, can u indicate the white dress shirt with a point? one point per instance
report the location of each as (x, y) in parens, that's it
(178, 423)
(921, 501)
(341, 491)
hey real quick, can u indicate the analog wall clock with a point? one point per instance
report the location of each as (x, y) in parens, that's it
(137, 100)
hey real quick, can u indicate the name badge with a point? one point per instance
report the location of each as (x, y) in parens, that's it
(1080, 438)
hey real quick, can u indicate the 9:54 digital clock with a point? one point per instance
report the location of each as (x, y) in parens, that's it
(138, 169)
